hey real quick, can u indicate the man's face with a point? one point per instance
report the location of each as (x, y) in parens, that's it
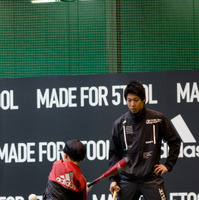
(134, 103)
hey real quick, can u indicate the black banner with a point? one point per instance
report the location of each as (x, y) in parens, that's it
(39, 114)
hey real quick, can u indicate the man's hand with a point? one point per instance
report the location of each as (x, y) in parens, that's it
(160, 169)
(114, 187)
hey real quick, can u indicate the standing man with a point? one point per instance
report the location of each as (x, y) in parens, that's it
(139, 134)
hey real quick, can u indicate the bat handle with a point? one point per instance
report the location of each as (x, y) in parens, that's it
(95, 181)
(114, 195)
(91, 183)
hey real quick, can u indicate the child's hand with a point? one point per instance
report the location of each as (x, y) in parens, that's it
(89, 188)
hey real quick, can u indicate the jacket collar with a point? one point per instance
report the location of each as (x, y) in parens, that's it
(138, 116)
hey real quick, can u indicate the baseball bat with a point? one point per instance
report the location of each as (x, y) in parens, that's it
(115, 169)
(115, 193)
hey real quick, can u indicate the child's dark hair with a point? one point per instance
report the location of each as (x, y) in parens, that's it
(135, 87)
(75, 150)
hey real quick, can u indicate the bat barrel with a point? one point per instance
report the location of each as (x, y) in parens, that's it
(115, 169)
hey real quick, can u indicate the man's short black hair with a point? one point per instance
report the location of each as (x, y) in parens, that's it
(75, 150)
(135, 87)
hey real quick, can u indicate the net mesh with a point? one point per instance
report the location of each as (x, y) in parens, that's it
(97, 37)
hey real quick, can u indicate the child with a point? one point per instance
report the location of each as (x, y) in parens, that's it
(65, 181)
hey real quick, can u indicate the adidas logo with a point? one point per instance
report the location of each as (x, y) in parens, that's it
(67, 181)
(182, 129)
(188, 151)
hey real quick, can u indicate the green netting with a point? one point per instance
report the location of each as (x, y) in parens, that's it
(97, 37)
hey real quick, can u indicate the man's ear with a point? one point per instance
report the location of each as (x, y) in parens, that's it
(65, 156)
(144, 100)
